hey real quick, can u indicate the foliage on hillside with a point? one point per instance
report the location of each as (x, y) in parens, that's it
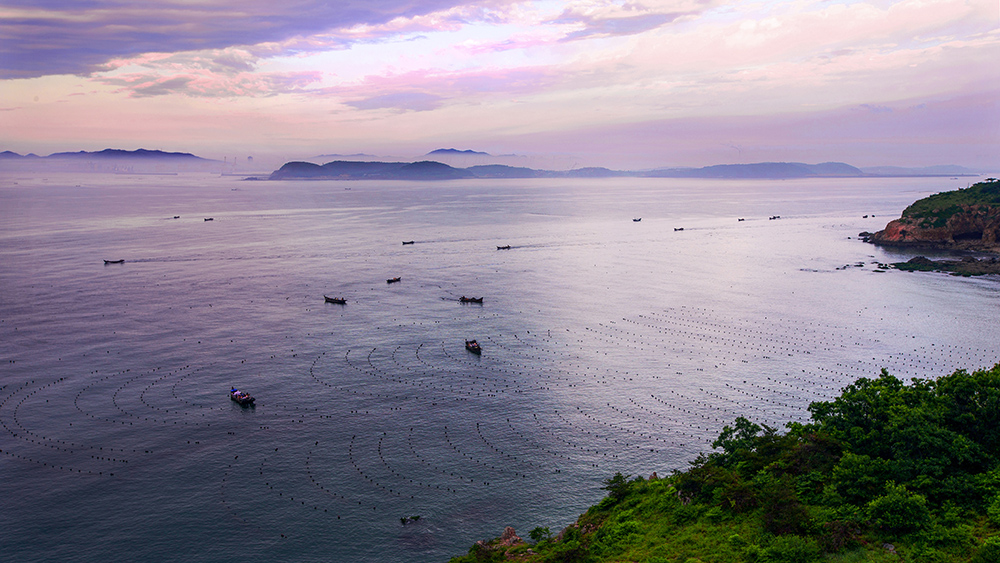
(936, 209)
(885, 472)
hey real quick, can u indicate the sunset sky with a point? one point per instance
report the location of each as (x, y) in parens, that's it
(610, 83)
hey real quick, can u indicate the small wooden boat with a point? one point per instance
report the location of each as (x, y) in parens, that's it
(393, 280)
(465, 299)
(177, 216)
(210, 218)
(337, 300)
(678, 228)
(409, 241)
(243, 398)
(473, 346)
(637, 219)
(505, 247)
(741, 219)
(114, 261)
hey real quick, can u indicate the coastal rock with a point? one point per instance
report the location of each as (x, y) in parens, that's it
(966, 219)
(509, 537)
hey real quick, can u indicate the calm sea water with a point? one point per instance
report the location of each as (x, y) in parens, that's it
(608, 345)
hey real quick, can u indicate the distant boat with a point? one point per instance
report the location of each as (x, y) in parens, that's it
(637, 219)
(505, 247)
(114, 261)
(473, 346)
(740, 219)
(465, 299)
(210, 218)
(177, 216)
(678, 228)
(773, 217)
(243, 398)
(409, 241)
(337, 300)
(393, 280)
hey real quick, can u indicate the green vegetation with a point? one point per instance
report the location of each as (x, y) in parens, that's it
(885, 472)
(934, 211)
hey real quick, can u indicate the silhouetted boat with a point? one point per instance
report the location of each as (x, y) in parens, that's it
(243, 398)
(505, 247)
(465, 299)
(393, 280)
(114, 261)
(637, 219)
(473, 346)
(337, 300)
(177, 216)
(678, 228)
(210, 218)
(409, 241)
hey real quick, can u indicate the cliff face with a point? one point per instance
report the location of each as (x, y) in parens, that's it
(962, 220)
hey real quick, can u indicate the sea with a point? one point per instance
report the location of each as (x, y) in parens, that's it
(627, 323)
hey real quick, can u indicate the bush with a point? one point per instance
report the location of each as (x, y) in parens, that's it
(989, 552)
(898, 510)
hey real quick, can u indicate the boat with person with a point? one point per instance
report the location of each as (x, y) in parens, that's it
(337, 300)
(393, 280)
(106, 262)
(473, 346)
(409, 242)
(242, 397)
(504, 247)
(464, 299)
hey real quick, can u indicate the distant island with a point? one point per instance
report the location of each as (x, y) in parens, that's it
(465, 164)
(432, 170)
(116, 161)
(967, 219)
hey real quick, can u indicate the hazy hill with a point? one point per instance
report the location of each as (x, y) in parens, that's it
(775, 170)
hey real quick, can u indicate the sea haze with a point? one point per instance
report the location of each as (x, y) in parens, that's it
(609, 344)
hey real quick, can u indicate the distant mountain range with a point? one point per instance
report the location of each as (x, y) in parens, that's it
(431, 170)
(366, 167)
(116, 154)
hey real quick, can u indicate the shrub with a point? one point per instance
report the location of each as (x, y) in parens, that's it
(989, 552)
(898, 510)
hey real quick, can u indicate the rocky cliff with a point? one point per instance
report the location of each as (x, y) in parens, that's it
(967, 219)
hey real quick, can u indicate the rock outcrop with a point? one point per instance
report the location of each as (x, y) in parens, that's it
(966, 219)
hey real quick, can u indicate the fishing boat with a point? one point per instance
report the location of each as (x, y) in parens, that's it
(114, 261)
(505, 247)
(210, 218)
(337, 300)
(409, 241)
(678, 228)
(242, 397)
(465, 299)
(637, 219)
(473, 346)
(393, 280)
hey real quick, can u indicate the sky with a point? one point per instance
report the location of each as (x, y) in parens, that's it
(623, 84)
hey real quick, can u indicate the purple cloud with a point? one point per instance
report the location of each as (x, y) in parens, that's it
(630, 18)
(208, 84)
(406, 101)
(39, 38)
